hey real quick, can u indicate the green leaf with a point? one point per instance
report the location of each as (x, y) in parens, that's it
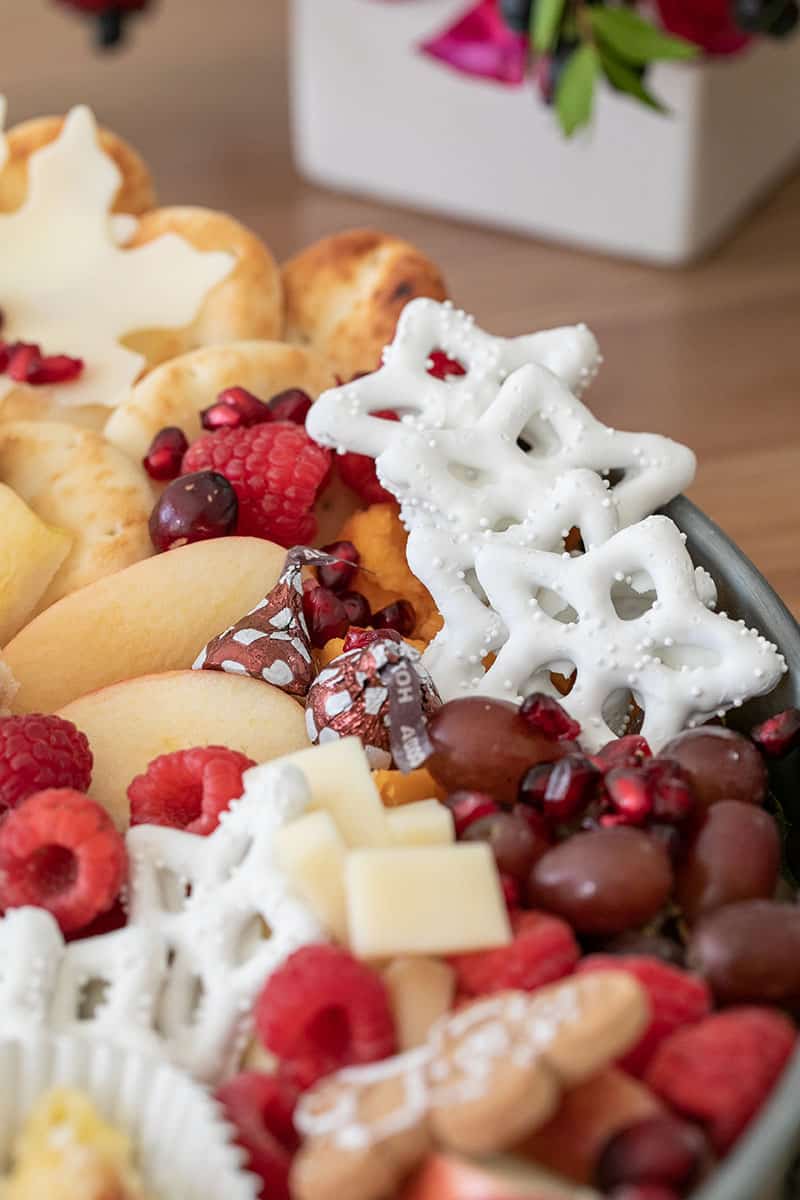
(636, 40)
(626, 79)
(545, 19)
(575, 91)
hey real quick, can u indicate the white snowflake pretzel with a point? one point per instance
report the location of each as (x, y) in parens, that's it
(210, 919)
(494, 473)
(342, 417)
(445, 563)
(679, 661)
(69, 285)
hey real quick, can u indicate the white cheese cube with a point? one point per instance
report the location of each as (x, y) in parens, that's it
(339, 777)
(422, 823)
(424, 900)
(312, 852)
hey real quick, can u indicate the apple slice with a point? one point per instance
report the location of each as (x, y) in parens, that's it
(131, 723)
(30, 554)
(154, 616)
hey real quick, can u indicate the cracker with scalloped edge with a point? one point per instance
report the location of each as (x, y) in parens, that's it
(76, 480)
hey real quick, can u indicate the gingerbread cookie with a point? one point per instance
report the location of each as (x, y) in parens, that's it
(345, 293)
(488, 1076)
(76, 481)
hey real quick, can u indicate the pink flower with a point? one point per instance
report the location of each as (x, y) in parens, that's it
(480, 43)
(708, 23)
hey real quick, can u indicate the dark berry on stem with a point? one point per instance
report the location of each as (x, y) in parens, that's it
(719, 764)
(657, 1150)
(484, 745)
(339, 575)
(163, 459)
(193, 508)
(778, 735)
(468, 807)
(399, 615)
(546, 716)
(326, 616)
(357, 608)
(292, 405)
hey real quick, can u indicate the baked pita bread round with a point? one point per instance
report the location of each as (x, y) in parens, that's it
(176, 392)
(247, 304)
(345, 293)
(76, 480)
(136, 193)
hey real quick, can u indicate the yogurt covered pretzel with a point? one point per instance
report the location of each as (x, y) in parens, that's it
(342, 417)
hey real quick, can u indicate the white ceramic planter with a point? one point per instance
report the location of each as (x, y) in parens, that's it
(372, 115)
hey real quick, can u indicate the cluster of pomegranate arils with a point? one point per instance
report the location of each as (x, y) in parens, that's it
(24, 363)
(332, 608)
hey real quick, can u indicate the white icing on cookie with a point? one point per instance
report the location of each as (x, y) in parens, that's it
(681, 662)
(210, 919)
(342, 416)
(67, 283)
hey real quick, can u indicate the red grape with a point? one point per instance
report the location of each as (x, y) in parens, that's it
(735, 855)
(720, 764)
(750, 953)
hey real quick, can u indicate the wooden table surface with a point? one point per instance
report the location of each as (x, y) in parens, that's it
(709, 355)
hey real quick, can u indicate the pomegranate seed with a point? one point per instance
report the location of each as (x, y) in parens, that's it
(606, 821)
(357, 608)
(468, 807)
(399, 615)
(440, 365)
(25, 357)
(326, 616)
(339, 575)
(628, 751)
(673, 798)
(546, 716)
(357, 638)
(291, 405)
(511, 892)
(535, 820)
(662, 1151)
(630, 793)
(570, 787)
(778, 735)
(533, 785)
(5, 356)
(163, 459)
(193, 508)
(55, 368)
(235, 408)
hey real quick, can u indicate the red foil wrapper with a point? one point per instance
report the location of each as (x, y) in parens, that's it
(354, 695)
(271, 642)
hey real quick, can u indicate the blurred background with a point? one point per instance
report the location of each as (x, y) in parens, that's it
(706, 353)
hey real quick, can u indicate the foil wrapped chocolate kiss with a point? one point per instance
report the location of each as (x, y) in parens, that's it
(271, 642)
(381, 693)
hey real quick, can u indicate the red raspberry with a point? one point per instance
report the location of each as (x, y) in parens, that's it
(38, 752)
(543, 950)
(188, 789)
(676, 999)
(322, 1010)
(357, 471)
(60, 851)
(260, 1108)
(721, 1071)
(276, 471)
